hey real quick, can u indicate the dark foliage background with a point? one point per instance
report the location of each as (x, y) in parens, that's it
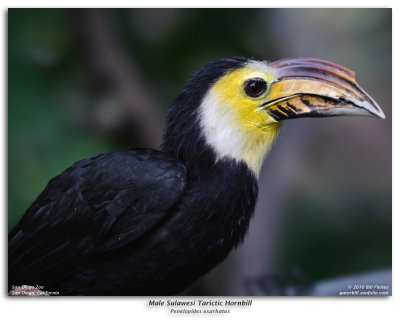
(87, 81)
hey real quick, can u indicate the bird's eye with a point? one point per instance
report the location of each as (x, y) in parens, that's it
(255, 87)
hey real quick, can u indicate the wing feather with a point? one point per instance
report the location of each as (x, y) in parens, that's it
(98, 204)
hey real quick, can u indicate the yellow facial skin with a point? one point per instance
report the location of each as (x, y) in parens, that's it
(230, 89)
(256, 127)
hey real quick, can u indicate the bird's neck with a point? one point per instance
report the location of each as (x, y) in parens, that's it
(199, 149)
(222, 191)
(248, 146)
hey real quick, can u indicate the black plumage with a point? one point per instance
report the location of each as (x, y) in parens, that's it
(136, 221)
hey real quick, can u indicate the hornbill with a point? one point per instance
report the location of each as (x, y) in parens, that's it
(148, 222)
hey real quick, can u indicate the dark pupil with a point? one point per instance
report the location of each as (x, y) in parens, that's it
(255, 87)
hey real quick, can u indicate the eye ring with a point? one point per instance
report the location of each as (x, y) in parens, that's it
(255, 87)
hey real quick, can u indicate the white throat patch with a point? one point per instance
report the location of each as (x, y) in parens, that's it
(223, 133)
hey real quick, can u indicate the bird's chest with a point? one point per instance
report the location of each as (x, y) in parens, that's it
(208, 224)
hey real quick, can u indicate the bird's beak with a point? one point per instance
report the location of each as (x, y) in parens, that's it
(307, 87)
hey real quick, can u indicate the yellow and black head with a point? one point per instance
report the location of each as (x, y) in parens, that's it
(235, 106)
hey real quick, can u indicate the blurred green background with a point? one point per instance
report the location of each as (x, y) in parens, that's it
(87, 81)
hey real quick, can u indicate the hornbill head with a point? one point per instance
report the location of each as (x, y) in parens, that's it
(239, 104)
